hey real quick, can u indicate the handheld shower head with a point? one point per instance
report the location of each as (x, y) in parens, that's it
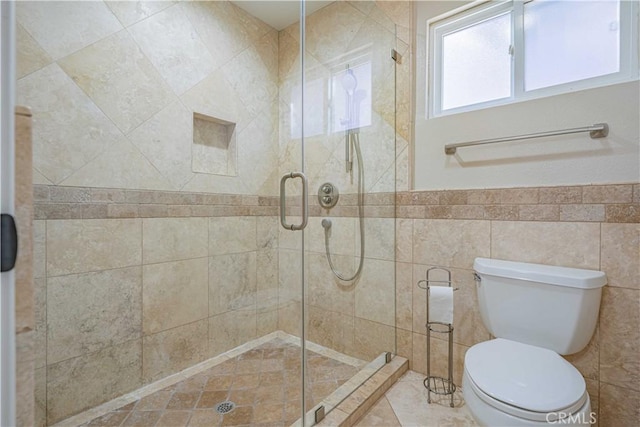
(326, 224)
(349, 81)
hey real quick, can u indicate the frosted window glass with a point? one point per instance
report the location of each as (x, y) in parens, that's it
(476, 64)
(566, 41)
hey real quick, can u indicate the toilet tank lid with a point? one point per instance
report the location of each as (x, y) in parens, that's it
(562, 276)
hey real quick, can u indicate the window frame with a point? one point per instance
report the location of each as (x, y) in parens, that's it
(483, 10)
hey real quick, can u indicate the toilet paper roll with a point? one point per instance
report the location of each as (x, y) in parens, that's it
(440, 304)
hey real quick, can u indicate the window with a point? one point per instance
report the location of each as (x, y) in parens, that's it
(494, 53)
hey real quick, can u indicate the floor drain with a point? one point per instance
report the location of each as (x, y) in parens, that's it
(225, 407)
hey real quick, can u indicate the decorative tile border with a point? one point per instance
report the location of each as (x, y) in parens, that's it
(57, 202)
(616, 203)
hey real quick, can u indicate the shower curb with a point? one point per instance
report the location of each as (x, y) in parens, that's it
(354, 407)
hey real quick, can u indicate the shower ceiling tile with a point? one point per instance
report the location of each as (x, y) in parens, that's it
(62, 27)
(130, 12)
(63, 114)
(165, 140)
(172, 44)
(121, 166)
(119, 79)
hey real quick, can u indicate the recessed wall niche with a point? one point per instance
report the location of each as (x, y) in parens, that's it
(214, 148)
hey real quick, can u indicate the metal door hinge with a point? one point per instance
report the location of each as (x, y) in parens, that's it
(9, 243)
(395, 55)
(319, 414)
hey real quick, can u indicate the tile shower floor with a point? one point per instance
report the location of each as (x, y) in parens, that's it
(263, 383)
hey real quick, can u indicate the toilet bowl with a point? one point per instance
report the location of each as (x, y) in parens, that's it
(537, 314)
(506, 383)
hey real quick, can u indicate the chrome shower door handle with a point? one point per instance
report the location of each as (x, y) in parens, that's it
(283, 201)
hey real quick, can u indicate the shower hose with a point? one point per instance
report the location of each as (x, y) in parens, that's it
(326, 224)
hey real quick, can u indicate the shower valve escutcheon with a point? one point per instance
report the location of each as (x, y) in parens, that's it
(328, 195)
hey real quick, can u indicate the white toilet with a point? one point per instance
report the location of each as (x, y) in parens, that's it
(536, 312)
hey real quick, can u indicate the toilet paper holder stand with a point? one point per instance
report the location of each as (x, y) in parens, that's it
(433, 384)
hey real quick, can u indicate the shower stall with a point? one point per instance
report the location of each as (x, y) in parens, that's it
(214, 204)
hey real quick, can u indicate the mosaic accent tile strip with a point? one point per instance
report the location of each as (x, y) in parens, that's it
(616, 203)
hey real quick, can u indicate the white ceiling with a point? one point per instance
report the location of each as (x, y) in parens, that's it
(279, 14)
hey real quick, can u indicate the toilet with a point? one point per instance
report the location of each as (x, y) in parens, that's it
(537, 313)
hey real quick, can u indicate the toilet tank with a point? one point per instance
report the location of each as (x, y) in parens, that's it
(542, 305)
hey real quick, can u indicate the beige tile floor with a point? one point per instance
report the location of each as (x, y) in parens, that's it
(263, 382)
(405, 404)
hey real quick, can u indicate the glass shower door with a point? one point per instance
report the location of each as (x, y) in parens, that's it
(341, 117)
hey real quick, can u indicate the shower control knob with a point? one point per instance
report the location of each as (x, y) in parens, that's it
(328, 195)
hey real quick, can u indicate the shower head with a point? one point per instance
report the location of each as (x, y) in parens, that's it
(349, 81)
(326, 224)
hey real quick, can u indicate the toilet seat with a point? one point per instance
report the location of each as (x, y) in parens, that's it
(523, 380)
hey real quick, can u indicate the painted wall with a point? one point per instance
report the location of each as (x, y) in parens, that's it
(562, 160)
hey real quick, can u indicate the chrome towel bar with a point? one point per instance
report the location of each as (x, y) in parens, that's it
(599, 130)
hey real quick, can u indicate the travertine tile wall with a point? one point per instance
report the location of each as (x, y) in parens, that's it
(131, 284)
(127, 295)
(113, 99)
(593, 227)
